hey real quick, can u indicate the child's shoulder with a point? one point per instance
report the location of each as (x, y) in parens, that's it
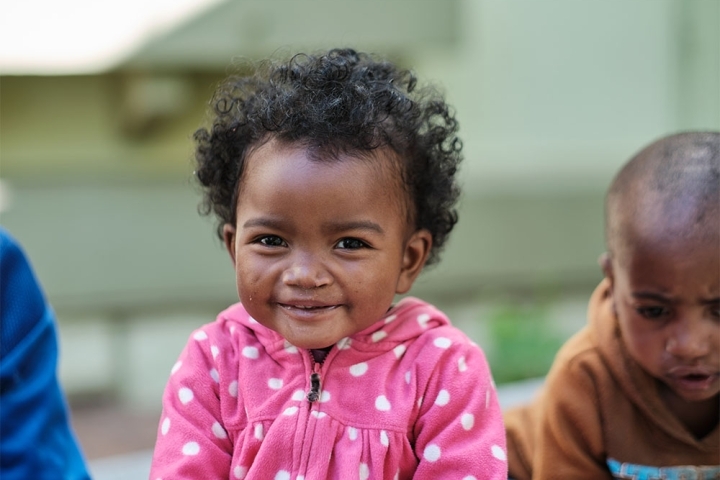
(432, 340)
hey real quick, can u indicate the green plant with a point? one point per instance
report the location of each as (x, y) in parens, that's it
(524, 343)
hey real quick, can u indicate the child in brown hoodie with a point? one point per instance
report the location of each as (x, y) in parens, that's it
(636, 393)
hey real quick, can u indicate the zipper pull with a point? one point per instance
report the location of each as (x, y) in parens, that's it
(314, 393)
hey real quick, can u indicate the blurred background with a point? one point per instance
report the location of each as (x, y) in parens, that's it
(99, 100)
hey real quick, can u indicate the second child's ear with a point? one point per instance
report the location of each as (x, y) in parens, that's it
(605, 262)
(229, 240)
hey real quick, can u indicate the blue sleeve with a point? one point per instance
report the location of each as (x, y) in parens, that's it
(36, 440)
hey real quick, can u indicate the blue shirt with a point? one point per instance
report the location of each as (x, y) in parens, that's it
(36, 440)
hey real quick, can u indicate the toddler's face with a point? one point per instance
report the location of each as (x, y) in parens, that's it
(321, 248)
(666, 293)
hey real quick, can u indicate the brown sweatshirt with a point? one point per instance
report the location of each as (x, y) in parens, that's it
(600, 416)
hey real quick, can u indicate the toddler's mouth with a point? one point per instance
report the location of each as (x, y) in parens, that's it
(309, 308)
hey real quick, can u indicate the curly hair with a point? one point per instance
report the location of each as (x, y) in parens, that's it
(339, 101)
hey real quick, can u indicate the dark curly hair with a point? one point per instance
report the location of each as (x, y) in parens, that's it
(340, 101)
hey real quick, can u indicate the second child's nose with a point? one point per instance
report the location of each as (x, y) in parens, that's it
(689, 340)
(306, 273)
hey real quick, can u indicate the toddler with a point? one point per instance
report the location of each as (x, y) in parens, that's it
(333, 180)
(635, 394)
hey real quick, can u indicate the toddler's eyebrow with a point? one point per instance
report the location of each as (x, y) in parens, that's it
(336, 227)
(264, 222)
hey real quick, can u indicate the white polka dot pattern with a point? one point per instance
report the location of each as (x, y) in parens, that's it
(233, 388)
(382, 403)
(290, 411)
(186, 395)
(368, 370)
(358, 369)
(364, 471)
(251, 352)
(379, 335)
(432, 453)
(462, 366)
(290, 348)
(218, 430)
(498, 453)
(443, 398)
(467, 420)
(191, 449)
(240, 472)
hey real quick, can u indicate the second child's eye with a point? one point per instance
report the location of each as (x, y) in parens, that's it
(271, 241)
(351, 244)
(653, 312)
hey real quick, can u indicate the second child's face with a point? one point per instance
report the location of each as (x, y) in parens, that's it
(321, 247)
(666, 294)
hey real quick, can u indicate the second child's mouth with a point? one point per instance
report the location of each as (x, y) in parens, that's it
(695, 380)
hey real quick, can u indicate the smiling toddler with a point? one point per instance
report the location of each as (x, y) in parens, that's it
(333, 180)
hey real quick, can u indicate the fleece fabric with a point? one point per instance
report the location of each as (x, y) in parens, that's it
(409, 397)
(600, 416)
(36, 440)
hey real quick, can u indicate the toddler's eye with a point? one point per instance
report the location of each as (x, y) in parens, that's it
(271, 241)
(351, 244)
(652, 312)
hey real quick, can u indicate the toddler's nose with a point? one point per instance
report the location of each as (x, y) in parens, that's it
(306, 273)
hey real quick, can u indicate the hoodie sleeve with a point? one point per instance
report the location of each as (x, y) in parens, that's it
(459, 432)
(192, 442)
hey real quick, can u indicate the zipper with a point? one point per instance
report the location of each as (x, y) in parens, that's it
(315, 385)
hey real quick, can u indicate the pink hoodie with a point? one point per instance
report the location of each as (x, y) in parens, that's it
(409, 397)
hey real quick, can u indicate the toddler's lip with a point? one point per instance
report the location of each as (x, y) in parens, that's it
(307, 305)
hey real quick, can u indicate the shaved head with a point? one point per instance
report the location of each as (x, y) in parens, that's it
(670, 189)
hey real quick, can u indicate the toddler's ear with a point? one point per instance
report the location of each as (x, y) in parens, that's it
(229, 239)
(416, 254)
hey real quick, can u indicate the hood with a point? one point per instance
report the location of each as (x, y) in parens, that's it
(385, 334)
